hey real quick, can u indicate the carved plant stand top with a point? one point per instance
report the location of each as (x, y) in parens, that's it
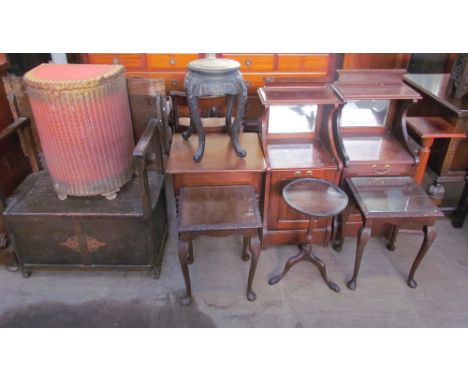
(213, 77)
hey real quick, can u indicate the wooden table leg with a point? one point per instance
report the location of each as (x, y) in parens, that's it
(429, 236)
(255, 247)
(306, 254)
(458, 216)
(245, 245)
(338, 233)
(301, 256)
(393, 237)
(323, 271)
(190, 251)
(363, 238)
(183, 253)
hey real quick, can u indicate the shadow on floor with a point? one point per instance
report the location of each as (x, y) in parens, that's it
(101, 314)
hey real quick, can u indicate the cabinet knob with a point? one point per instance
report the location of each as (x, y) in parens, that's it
(116, 61)
(309, 172)
(248, 63)
(174, 82)
(248, 83)
(297, 173)
(172, 61)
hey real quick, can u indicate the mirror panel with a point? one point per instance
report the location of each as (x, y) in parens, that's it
(365, 113)
(287, 119)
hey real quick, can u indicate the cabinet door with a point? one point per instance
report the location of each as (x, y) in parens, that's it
(281, 216)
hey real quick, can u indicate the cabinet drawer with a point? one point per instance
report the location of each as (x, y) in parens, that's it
(172, 80)
(253, 62)
(169, 61)
(285, 175)
(379, 169)
(130, 61)
(304, 62)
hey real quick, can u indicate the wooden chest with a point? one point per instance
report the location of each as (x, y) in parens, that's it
(87, 232)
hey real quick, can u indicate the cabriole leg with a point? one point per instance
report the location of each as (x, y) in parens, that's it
(363, 238)
(429, 236)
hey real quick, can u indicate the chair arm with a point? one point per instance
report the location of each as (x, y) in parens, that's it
(146, 139)
(22, 126)
(14, 127)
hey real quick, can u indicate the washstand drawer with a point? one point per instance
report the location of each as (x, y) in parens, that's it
(253, 62)
(285, 175)
(379, 169)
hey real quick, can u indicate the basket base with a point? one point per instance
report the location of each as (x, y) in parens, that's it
(108, 195)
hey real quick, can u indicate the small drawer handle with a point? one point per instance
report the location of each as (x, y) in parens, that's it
(381, 171)
(309, 172)
(172, 61)
(248, 63)
(248, 83)
(174, 82)
(297, 173)
(116, 61)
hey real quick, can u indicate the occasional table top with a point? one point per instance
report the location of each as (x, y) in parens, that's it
(395, 196)
(315, 197)
(435, 86)
(216, 208)
(214, 66)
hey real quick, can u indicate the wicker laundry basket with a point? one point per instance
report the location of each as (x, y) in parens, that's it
(83, 120)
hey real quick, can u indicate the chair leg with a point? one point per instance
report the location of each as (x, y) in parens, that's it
(429, 236)
(183, 253)
(255, 250)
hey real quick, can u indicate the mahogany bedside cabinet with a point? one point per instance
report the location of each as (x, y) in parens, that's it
(398, 201)
(298, 142)
(91, 233)
(370, 131)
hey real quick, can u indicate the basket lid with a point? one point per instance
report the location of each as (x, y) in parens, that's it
(71, 76)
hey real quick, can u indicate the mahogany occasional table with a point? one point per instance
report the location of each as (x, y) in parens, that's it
(315, 198)
(396, 201)
(218, 211)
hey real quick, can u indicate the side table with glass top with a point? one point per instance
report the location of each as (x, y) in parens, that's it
(315, 198)
(398, 201)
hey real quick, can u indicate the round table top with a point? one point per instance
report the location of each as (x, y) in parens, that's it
(214, 66)
(315, 197)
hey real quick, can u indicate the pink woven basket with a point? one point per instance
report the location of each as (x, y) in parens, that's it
(83, 120)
